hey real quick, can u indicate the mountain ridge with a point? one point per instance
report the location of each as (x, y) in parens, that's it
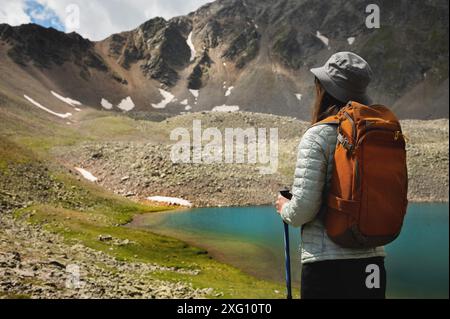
(252, 54)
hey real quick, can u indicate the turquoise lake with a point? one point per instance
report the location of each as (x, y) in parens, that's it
(251, 238)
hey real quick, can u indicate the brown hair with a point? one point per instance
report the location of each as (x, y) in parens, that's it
(325, 105)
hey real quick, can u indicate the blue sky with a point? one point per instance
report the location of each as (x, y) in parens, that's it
(97, 19)
(42, 15)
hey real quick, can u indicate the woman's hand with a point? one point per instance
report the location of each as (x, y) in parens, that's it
(280, 203)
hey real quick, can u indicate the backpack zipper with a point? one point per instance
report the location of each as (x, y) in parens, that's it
(395, 132)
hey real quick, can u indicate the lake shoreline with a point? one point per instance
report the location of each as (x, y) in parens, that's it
(227, 248)
(138, 223)
(181, 208)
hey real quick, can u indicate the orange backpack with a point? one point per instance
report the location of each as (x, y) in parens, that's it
(367, 198)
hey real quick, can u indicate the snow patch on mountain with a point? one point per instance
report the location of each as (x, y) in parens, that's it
(170, 200)
(63, 116)
(195, 93)
(323, 38)
(106, 104)
(167, 98)
(126, 104)
(86, 174)
(191, 46)
(66, 100)
(226, 108)
(228, 92)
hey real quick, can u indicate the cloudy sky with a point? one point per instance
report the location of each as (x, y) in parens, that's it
(93, 19)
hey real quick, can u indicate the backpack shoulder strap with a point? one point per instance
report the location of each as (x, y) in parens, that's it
(331, 120)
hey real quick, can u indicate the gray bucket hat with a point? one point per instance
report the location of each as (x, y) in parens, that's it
(346, 76)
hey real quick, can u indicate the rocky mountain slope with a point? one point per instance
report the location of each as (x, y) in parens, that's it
(141, 169)
(246, 54)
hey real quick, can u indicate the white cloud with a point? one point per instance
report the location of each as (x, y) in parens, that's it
(41, 15)
(13, 12)
(101, 18)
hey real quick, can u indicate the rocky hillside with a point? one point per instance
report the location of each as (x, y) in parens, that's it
(41, 270)
(248, 54)
(34, 262)
(141, 169)
(63, 238)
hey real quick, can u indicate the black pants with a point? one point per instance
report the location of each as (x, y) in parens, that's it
(363, 278)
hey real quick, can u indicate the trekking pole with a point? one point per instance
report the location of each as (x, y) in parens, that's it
(287, 258)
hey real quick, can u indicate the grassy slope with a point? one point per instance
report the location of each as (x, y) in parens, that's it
(89, 211)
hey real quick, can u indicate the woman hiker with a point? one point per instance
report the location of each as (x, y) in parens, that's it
(329, 271)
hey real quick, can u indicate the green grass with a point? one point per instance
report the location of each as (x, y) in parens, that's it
(14, 296)
(45, 144)
(111, 125)
(11, 153)
(32, 129)
(148, 247)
